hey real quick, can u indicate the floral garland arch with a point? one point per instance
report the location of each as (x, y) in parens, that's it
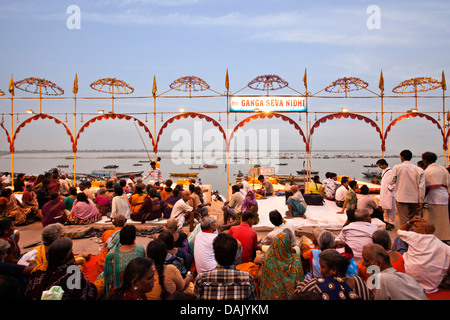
(413, 115)
(352, 116)
(34, 118)
(270, 115)
(185, 116)
(114, 116)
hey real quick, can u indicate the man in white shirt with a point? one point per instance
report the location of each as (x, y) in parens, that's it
(437, 190)
(357, 234)
(182, 210)
(387, 192)
(427, 259)
(409, 181)
(341, 192)
(203, 245)
(388, 283)
(131, 184)
(154, 173)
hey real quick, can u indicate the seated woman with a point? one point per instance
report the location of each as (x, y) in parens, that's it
(117, 260)
(120, 203)
(334, 285)
(70, 199)
(151, 209)
(281, 269)
(167, 205)
(29, 200)
(176, 256)
(54, 211)
(137, 199)
(250, 204)
(10, 207)
(168, 277)
(166, 191)
(84, 211)
(326, 241)
(50, 234)
(138, 279)
(316, 186)
(7, 233)
(59, 273)
(103, 202)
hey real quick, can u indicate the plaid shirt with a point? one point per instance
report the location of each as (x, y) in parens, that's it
(225, 283)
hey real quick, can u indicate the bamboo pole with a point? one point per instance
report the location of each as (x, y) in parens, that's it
(75, 134)
(12, 138)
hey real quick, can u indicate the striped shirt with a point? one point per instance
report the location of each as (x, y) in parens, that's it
(225, 283)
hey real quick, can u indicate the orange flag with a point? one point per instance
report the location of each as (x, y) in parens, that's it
(381, 83)
(227, 81)
(154, 86)
(75, 85)
(444, 84)
(11, 86)
(304, 81)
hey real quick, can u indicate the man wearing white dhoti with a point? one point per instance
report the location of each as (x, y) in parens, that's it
(437, 192)
(409, 181)
(387, 193)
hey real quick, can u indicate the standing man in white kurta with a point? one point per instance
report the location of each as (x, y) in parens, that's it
(437, 181)
(387, 193)
(409, 182)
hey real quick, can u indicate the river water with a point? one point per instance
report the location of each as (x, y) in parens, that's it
(344, 163)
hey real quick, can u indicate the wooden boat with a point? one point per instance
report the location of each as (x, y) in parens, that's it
(371, 173)
(62, 166)
(304, 172)
(111, 166)
(370, 166)
(195, 168)
(184, 174)
(209, 166)
(137, 164)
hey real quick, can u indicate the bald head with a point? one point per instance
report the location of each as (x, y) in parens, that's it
(375, 254)
(171, 225)
(294, 188)
(423, 227)
(120, 220)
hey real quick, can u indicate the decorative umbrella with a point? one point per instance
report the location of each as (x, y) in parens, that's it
(415, 85)
(189, 84)
(267, 82)
(346, 85)
(39, 86)
(112, 86)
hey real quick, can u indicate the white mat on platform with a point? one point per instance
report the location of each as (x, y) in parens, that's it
(316, 216)
(324, 216)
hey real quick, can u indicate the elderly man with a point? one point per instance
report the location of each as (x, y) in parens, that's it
(357, 234)
(203, 245)
(182, 210)
(296, 204)
(387, 193)
(388, 283)
(409, 182)
(437, 182)
(427, 258)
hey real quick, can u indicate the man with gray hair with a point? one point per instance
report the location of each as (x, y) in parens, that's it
(357, 234)
(203, 245)
(388, 283)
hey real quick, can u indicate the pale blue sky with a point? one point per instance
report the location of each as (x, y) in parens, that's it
(135, 40)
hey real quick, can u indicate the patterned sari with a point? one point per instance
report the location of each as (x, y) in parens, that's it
(281, 270)
(115, 263)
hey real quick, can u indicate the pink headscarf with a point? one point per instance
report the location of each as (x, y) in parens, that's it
(82, 210)
(249, 201)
